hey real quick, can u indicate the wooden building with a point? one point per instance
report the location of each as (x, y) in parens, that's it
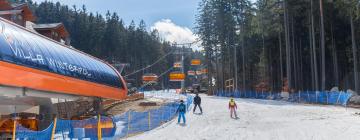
(21, 14)
(56, 31)
(16, 12)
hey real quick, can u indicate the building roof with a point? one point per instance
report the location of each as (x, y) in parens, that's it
(47, 26)
(59, 27)
(18, 6)
(10, 12)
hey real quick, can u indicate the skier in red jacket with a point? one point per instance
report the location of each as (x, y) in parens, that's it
(232, 107)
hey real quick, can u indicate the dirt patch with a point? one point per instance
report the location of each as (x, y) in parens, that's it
(135, 106)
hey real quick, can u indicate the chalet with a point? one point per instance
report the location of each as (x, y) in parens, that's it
(16, 12)
(21, 14)
(56, 31)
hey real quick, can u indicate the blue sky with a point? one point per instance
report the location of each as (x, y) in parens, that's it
(181, 12)
(174, 19)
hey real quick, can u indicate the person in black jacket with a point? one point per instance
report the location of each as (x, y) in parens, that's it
(197, 102)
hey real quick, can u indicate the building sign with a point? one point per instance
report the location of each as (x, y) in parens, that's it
(24, 48)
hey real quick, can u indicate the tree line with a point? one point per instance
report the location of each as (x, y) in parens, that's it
(108, 38)
(281, 45)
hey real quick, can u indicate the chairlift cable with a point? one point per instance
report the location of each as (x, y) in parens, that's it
(157, 61)
(148, 66)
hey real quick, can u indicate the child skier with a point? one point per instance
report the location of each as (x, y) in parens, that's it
(232, 107)
(181, 110)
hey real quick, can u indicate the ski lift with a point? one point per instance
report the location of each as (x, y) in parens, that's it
(198, 72)
(177, 76)
(204, 71)
(195, 62)
(149, 77)
(191, 72)
(177, 65)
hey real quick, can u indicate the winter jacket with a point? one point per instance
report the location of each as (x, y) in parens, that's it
(181, 108)
(197, 100)
(232, 104)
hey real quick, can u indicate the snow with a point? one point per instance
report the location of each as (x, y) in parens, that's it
(261, 120)
(169, 95)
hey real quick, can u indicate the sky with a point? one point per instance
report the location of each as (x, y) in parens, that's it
(174, 19)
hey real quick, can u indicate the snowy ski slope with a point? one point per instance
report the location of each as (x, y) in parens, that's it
(262, 120)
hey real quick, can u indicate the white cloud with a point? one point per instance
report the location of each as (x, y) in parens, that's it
(171, 32)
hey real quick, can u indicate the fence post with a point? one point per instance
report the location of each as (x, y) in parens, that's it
(308, 97)
(255, 94)
(162, 115)
(316, 97)
(327, 97)
(170, 113)
(54, 128)
(14, 130)
(299, 97)
(346, 102)
(339, 95)
(99, 127)
(129, 121)
(149, 119)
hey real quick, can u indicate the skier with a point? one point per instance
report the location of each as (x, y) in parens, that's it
(197, 102)
(181, 110)
(198, 88)
(232, 107)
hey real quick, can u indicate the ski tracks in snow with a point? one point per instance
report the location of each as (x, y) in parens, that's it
(261, 120)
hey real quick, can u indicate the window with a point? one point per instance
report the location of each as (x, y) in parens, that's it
(19, 17)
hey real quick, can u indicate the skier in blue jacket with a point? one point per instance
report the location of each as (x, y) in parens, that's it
(181, 110)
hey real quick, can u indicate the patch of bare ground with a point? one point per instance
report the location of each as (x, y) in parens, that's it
(139, 105)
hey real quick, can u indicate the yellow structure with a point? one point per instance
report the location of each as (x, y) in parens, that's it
(196, 62)
(54, 128)
(14, 131)
(99, 128)
(177, 76)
